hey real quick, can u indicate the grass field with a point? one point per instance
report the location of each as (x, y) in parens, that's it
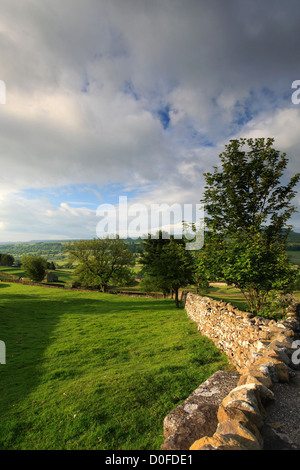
(86, 370)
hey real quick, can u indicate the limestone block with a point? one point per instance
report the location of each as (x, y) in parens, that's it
(246, 398)
(282, 370)
(234, 414)
(217, 443)
(266, 395)
(197, 416)
(261, 374)
(234, 430)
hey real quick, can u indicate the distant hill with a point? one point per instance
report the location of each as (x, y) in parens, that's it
(55, 248)
(294, 238)
(52, 250)
(49, 250)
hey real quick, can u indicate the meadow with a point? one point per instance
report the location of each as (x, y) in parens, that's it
(87, 370)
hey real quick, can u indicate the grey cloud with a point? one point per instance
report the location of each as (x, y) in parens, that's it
(108, 67)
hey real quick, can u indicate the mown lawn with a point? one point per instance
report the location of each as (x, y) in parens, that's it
(86, 370)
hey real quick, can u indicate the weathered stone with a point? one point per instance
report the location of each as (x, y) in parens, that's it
(267, 364)
(280, 352)
(282, 371)
(261, 351)
(206, 441)
(284, 340)
(261, 374)
(217, 442)
(246, 398)
(202, 423)
(234, 430)
(265, 335)
(266, 395)
(234, 414)
(197, 415)
(281, 329)
(248, 379)
(211, 447)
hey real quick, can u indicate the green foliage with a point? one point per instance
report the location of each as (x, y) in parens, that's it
(167, 263)
(51, 265)
(34, 267)
(101, 261)
(36, 248)
(277, 303)
(247, 193)
(148, 284)
(247, 211)
(6, 259)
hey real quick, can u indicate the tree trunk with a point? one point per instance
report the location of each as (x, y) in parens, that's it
(176, 298)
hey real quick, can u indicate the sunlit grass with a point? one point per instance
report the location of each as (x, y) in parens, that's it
(86, 370)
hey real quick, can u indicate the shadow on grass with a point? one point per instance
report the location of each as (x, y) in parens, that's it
(28, 321)
(55, 338)
(3, 285)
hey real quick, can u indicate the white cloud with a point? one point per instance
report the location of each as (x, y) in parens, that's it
(282, 125)
(87, 80)
(23, 219)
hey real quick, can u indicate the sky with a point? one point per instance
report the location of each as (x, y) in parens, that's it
(135, 98)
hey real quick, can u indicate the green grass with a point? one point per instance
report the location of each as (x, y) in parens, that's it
(10, 270)
(87, 370)
(227, 294)
(231, 295)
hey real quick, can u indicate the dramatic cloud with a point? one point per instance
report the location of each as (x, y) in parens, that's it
(135, 95)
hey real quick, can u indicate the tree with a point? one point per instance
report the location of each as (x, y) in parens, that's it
(6, 259)
(51, 265)
(167, 264)
(101, 260)
(247, 207)
(34, 267)
(150, 253)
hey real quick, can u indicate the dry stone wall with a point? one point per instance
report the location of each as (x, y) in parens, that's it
(261, 351)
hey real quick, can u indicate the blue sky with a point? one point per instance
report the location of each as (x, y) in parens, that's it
(135, 98)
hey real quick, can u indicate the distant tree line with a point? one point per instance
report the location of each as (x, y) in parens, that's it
(294, 247)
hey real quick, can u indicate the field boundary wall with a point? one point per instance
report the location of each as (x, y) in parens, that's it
(262, 352)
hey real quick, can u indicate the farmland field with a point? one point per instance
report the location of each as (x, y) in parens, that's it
(86, 370)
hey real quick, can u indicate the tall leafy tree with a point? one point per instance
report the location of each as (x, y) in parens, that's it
(167, 263)
(101, 261)
(248, 202)
(6, 259)
(34, 267)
